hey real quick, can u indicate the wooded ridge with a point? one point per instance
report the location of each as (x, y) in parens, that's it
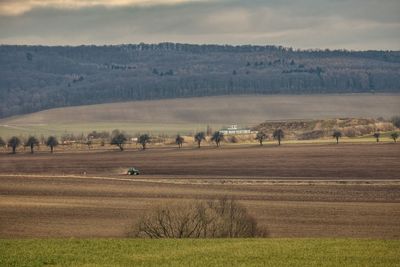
(35, 78)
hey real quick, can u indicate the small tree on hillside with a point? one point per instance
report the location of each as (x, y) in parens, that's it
(377, 136)
(199, 137)
(337, 135)
(143, 140)
(261, 136)
(394, 136)
(119, 139)
(396, 121)
(31, 142)
(14, 142)
(217, 137)
(179, 140)
(52, 142)
(278, 135)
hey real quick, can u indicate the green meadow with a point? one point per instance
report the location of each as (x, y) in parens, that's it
(200, 252)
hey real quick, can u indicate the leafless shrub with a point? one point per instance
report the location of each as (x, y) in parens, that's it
(233, 140)
(350, 132)
(309, 135)
(198, 219)
(385, 126)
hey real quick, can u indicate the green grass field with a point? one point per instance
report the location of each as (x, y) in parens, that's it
(217, 252)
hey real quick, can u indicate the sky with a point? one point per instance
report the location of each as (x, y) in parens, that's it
(301, 24)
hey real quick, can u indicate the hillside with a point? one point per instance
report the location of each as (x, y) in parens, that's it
(35, 78)
(314, 129)
(192, 114)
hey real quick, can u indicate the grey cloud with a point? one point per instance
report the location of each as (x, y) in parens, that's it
(351, 24)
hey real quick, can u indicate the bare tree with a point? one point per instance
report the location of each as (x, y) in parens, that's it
(89, 143)
(118, 139)
(217, 137)
(394, 136)
(377, 136)
(261, 136)
(143, 140)
(2, 143)
(337, 134)
(278, 135)
(31, 142)
(179, 140)
(198, 219)
(52, 142)
(14, 142)
(199, 137)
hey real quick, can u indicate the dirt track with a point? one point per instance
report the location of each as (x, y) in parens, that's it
(346, 191)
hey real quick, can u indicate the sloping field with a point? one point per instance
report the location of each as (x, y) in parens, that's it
(192, 114)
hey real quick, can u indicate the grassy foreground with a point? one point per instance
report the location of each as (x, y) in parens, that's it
(217, 252)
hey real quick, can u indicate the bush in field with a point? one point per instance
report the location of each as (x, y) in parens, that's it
(14, 142)
(350, 132)
(376, 136)
(2, 143)
(199, 137)
(31, 142)
(98, 135)
(143, 140)
(310, 135)
(89, 143)
(217, 137)
(394, 136)
(52, 142)
(337, 135)
(118, 139)
(261, 136)
(396, 121)
(179, 140)
(198, 219)
(278, 135)
(234, 140)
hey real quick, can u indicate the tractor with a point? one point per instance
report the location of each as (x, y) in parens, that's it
(133, 171)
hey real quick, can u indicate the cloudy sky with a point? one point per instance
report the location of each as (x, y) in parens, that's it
(349, 24)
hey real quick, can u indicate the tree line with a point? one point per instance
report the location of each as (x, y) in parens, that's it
(120, 139)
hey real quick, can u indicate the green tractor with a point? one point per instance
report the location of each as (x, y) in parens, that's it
(133, 171)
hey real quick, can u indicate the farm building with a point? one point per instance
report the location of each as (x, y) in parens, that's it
(233, 129)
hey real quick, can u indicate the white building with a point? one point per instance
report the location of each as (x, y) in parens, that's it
(233, 129)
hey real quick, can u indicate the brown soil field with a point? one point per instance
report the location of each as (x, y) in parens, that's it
(294, 190)
(309, 161)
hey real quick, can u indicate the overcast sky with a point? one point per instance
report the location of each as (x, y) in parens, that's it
(349, 24)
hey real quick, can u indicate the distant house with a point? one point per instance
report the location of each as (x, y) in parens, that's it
(233, 129)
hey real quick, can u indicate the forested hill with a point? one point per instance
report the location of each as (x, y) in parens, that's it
(34, 78)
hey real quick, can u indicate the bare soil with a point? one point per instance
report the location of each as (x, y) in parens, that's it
(307, 161)
(294, 190)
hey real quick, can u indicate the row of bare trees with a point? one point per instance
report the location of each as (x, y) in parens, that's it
(32, 142)
(278, 134)
(338, 134)
(120, 139)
